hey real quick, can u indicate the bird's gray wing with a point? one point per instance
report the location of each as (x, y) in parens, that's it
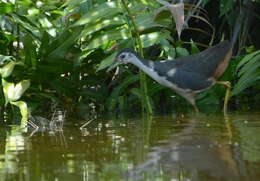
(189, 80)
(204, 63)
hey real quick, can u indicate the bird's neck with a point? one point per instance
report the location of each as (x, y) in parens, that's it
(146, 66)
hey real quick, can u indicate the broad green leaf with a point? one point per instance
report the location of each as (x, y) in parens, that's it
(29, 26)
(194, 48)
(112, 100)
(107, 62)
(153, 38)
(145, 22)
(248, 71)
(105, 10)
(45, 39)
(4, 58)
(253, 64)
(246, 59)
(71, 3)
(92, 94)
(47, 96)
(23, 110)
(33, 12)
(129, 80)
(168, 48)
(64, 86)
(245, 82)
(165, 3)
(182, 52)
(12, 91)
(62, 44)
(250, 49)
(46, 24)
(100, 25)
(6, 8)
(7, 70)
(107, 37)
(225, 7)
(30, 51)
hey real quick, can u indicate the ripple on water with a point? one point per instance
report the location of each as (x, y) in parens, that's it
(186, 147)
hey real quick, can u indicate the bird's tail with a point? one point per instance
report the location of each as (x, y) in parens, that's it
(244, 11)
(236, 31)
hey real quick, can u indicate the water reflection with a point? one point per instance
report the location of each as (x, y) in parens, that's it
(192, 154)
(163, 148)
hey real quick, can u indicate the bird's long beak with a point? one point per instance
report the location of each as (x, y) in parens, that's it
(116, 63)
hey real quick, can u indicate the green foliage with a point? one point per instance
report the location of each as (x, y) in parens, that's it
(248, 72)
(13, 92)
(64, 47)
(6, 70)
(226, 6)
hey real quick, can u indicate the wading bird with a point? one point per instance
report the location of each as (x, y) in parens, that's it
(188, 75)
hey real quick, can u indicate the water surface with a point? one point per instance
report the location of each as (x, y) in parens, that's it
(173, 147)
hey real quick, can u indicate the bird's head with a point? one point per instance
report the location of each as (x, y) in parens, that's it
(125, 56)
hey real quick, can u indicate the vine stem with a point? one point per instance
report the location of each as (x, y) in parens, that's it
(146, 104)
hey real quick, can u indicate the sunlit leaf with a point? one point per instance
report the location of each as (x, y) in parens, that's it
(165, 3)
(153, 38)
(7, 70)
(12, 91)
(100, 25)
(59, 48)
(28, 25)
(6, 8)
(71, 3)
(168, 48)
(145, 22)
(107, 37)
(194, 48)
(23, 110)
(104, 10)
(4, 58)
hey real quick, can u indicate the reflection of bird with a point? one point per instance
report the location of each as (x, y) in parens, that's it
(188, 75)
(192, 153)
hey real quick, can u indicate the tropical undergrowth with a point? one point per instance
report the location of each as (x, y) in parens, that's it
(57, 52)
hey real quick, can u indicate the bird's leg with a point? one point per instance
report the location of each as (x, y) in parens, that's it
(228, 85)
(195, 108)
(190, 98)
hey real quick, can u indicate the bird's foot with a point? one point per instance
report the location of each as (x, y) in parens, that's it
(227, 95)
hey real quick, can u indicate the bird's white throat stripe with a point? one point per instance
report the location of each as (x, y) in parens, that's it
(171, 72)
(151, 64)
(162, 80)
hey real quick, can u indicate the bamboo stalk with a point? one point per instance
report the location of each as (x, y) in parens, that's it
(146, 105)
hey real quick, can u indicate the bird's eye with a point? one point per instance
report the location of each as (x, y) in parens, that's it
(122, 56)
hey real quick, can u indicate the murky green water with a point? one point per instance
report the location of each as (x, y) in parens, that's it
(183, 148)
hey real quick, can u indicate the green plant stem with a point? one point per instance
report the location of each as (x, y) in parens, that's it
(146, 105)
